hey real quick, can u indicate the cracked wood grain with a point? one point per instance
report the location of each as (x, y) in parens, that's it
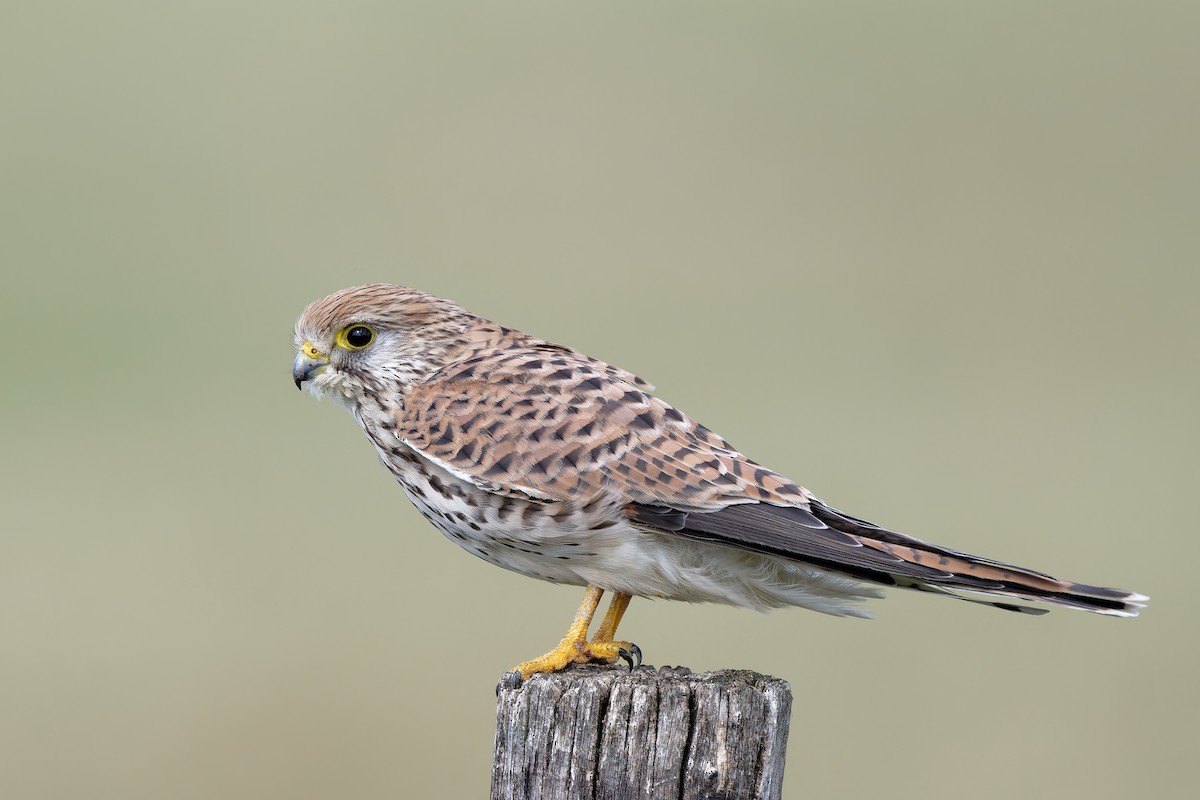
(598, 733)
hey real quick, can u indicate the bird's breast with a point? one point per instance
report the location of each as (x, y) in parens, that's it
(546, 540)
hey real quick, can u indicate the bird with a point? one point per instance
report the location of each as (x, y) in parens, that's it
(562, 467)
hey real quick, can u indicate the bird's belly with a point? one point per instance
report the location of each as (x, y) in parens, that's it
(596, 544)
(510, 531)
(622, 558)
(506, 544)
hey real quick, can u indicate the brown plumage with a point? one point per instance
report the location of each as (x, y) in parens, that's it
(559, 466)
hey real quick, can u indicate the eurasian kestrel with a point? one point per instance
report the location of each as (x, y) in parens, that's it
(561, 467)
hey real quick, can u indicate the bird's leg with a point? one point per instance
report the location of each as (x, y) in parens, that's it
(616, 610)
(575, 647)
(608, 629)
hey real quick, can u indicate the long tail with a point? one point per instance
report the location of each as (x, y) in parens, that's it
(981, 575)
(827, 538)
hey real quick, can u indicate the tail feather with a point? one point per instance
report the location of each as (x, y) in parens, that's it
(969, 572)
(934, 589)
(827, 538)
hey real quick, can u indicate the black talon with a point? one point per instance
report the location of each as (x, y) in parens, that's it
(637, 654)
(627, 657)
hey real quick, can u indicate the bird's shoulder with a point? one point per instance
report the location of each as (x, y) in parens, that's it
(551, 422)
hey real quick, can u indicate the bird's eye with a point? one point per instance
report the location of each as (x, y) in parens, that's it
(356, 337)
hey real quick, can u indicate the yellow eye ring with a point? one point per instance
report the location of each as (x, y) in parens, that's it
(355, 337)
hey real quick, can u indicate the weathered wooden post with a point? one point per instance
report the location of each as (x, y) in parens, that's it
(599, 733)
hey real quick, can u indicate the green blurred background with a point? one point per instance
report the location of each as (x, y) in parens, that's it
(938, 261)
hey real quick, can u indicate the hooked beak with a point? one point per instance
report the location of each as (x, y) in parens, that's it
(309, 361)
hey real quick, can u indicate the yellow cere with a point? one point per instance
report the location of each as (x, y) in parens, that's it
(310, 351)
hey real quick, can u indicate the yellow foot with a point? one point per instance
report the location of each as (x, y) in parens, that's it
(575, 647)
(581, 652)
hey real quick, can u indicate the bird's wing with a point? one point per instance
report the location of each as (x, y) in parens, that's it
(557, 426)
(821, 535)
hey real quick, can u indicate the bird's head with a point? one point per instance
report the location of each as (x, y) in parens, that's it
(377, 339)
